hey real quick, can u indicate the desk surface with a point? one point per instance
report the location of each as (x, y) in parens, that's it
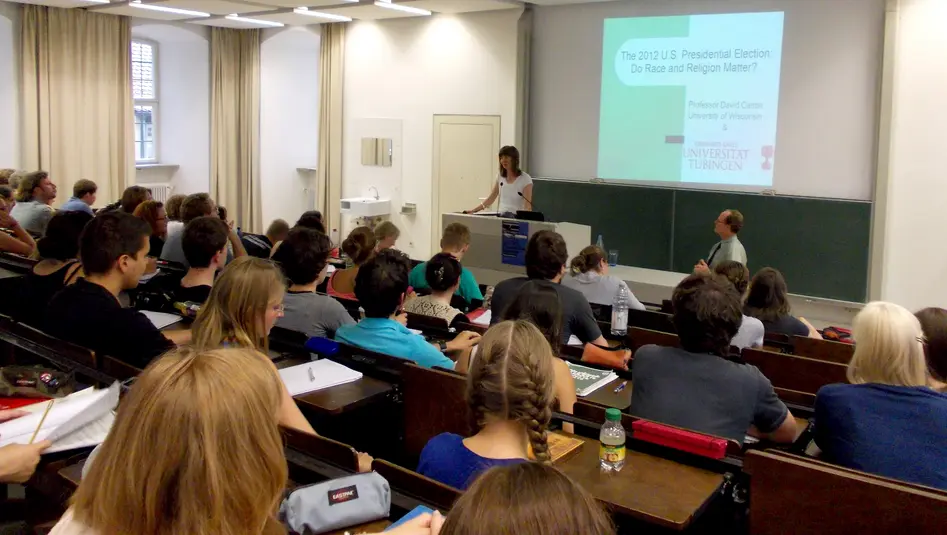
(372, 527)
(656, 490)
(606, 395)
(72, 474)
(342, 398)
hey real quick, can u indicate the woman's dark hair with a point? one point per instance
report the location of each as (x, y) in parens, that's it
(442, 272)
(934, 324)
(736, 273)
(589, 259)
(768, 298)
(61, 241)
(312, 219)
(514, 155)
(538, 303)
(360, 245)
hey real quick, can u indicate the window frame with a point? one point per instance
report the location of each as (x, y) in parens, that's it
(153, 102)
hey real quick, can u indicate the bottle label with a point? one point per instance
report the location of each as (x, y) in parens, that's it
(612, 454)
(619, 320)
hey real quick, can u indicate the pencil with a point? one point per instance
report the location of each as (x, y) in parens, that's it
(41, 420)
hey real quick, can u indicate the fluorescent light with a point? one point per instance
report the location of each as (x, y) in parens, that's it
(174, 10)
(327, 16)
(261, 22)
(398, 7)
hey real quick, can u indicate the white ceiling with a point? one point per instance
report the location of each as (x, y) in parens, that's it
(281, 11)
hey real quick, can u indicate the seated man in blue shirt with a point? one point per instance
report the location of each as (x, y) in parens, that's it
(83, 197)
(380, 287)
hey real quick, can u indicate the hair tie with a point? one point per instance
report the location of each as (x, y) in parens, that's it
(440, 273)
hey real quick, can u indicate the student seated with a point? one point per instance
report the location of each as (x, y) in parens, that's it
(153, 213)
(588, 274)
(455, 242)
(312, 219)
(386, 235)
(134, 196)
(751, 330)
(546, 258)
(303, 256)
(509, 397)
(172, 209)
(694, 386)
(443, 277)
(768, 301)
(888, 421)
(242, 308)
(194, 206)
(113, 250)
(359, 247)
(18, 241)
(934, 323)
(262, 246)
(58, 267)
(526, 499)
(83, 197)
(195, 448)
(205, 248)
(33, 198)
(380, 288)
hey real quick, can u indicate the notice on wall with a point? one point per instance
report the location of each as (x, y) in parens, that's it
(513, 242)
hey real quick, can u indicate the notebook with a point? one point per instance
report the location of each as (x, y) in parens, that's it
(76, 421)
(412, 514)
(560, 446)
(484, 319)
(161, 319)
(588, 380)
(316, 375)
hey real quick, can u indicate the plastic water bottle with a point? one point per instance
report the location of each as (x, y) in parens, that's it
(600, 243)
(612, 438)
(620, 311)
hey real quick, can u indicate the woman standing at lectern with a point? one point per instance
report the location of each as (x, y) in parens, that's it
(514, 188)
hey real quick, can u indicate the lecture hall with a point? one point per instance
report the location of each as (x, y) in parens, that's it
(472, 267)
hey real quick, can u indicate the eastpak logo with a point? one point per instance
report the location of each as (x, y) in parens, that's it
(343, 495)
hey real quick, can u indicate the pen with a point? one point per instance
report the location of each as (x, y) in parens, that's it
(312, 377)
(620, 387)
(43, 419)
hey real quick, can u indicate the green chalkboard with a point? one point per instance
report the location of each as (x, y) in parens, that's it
(820, 245)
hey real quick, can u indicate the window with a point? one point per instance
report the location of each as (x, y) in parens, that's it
(144, 91)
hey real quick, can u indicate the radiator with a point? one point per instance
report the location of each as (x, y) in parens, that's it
(159, 192)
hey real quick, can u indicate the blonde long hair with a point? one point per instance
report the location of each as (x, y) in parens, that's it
(512, 379)
(195, 449)
(237, 304)
(889, 347)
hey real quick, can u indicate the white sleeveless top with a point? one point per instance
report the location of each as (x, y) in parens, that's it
(510, 201)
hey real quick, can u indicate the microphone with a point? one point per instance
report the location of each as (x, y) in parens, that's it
(520, 193)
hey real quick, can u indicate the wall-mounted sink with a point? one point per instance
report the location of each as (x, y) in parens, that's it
(366, 206)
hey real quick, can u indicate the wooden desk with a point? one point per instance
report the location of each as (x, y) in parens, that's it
(606, 395)
(72, 474)
(372, 527)
(342, 398)
(656, 490)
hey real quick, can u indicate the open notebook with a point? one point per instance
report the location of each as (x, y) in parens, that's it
(316, 375)
(76, 421)
(588, 380)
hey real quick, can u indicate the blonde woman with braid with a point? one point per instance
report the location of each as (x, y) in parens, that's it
(509, 397)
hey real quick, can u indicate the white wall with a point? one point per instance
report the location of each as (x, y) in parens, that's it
(915, 257)
(183, 104)
(9, 88)
(408, 70)
(289, 120)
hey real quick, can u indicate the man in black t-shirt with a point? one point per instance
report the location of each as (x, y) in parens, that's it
(261, 246)
(112, 249)
(205, 248)
(546, 258)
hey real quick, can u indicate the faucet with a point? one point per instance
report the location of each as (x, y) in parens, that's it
(376, 192)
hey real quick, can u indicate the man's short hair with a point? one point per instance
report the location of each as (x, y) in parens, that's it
(707, 313)
(278, 228)
(456, 237)
(132, 197)
(735, 220)
(196, 205)
(203, 238)
(110, 236)
(303, 255)
(546, 253)
(83, 187)
(28, 183)
(382, 282)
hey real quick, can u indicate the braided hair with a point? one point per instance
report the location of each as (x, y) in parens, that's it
(512, 380)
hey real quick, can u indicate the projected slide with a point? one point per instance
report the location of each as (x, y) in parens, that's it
(691, 98)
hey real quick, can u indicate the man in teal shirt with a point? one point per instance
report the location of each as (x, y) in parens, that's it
(455, 241)
(380, 287)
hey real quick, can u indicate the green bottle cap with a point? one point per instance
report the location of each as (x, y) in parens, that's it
(613, 415)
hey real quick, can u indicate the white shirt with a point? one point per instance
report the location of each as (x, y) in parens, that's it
(510, 201)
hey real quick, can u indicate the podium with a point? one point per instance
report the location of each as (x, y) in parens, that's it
(486, 258)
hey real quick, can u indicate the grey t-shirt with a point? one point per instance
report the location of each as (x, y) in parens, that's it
(600, 289)
(703, 392)
(313, 314)
(33, 216)
(750, 334)
(577, 317)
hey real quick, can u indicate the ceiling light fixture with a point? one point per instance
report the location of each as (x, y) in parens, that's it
(261, 22)
(327, 16)
(163, 9)
(398, 7)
